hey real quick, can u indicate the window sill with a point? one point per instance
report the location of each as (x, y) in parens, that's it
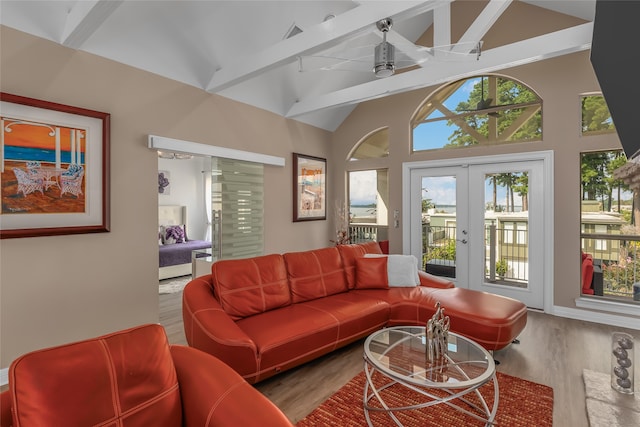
(610, 306)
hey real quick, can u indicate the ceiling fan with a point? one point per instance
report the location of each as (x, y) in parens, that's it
(366, 54)
(484, 103)
(384, 59)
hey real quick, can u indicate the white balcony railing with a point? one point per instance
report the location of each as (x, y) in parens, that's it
(359, 233)
(506, 253)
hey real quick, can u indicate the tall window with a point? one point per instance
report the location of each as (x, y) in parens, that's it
(369, 190)
(368, 205)
(482, 110)
(610, 236)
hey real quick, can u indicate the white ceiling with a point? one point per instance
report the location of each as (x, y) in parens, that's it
(238, 49)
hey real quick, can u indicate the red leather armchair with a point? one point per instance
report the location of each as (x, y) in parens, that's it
(131, 378)
(587, 274)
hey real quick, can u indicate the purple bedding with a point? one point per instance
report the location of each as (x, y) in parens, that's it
(180, 253)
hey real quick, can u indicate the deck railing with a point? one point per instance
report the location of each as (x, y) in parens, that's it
(359, 233)
(506, 252)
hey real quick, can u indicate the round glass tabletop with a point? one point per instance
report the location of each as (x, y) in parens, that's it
(400, 353)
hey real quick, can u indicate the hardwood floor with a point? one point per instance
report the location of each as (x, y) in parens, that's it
(552, 351)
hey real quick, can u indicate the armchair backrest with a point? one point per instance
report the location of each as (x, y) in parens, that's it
(587, 274)
(124, 378)
(33, 166)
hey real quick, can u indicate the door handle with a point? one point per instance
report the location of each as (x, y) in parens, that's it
(463, 241)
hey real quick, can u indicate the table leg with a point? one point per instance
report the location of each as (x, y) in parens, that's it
(370, 392)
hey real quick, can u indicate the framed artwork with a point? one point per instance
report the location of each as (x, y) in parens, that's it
(164, 183)
(309, 188)
(54, 168)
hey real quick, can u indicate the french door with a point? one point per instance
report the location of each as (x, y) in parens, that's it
(482, 223)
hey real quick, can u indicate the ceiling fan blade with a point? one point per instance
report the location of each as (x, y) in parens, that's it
(483, 104)
(452, 52)
(327, 63)
(366, 53)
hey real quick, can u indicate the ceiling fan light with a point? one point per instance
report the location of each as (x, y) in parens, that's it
(384, 60)
(384, 70)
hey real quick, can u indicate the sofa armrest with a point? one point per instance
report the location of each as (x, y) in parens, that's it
(213, 394)
(6, 419)
(210, 329)
(431, 281)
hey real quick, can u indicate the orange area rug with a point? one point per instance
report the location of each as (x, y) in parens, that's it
(522, 403)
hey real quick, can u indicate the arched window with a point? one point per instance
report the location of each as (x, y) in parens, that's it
(373, 146)
(482, 110)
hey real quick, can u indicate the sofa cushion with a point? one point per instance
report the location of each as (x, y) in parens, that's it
(402, 270)
(357, 315)
(408, 305)
(173, 234)
(490, 320)
(245, 287)
(371, 273)
(315, 274)
(301, 332)
(288, 337)
(350, 253)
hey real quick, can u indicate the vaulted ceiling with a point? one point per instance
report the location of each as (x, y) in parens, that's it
(307, 60)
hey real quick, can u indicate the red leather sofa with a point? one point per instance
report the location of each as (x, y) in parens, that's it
(267, 314)
(131, 378)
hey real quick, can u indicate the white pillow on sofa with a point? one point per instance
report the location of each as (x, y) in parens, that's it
(402, 270)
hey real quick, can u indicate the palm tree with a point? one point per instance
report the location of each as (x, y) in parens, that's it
(521, 187)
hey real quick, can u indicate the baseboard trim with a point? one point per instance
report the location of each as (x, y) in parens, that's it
(592, 316)
(4, 376)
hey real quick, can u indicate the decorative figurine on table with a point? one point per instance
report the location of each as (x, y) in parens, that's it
(437, 333)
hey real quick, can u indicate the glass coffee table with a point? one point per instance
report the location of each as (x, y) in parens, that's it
(398, 355)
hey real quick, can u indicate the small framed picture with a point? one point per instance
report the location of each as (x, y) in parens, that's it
(309, 188)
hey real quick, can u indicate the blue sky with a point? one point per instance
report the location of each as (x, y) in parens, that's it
(436, 134)
(441, 191)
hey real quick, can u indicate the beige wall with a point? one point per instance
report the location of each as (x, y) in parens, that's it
(559, 82)
(58, 289)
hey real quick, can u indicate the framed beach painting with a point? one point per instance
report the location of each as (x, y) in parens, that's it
(54, 168)
(309, 188)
